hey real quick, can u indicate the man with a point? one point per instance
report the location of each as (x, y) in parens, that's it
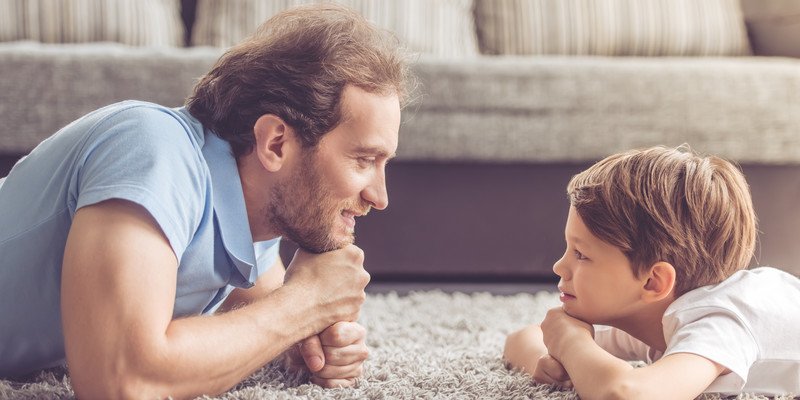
(139, 243)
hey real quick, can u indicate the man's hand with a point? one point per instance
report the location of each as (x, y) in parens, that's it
(333, 281)
(560, 331)
(334, 357)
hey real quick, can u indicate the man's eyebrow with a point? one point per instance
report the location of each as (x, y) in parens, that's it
(375, 151)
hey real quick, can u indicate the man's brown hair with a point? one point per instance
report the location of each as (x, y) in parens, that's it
(296, 66)
(672, 205)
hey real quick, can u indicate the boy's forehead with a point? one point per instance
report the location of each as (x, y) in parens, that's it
(575, 231)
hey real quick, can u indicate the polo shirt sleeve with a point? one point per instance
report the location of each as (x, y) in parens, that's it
(146, 156)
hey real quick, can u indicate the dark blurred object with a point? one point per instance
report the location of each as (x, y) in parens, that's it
(773, 27)
(488, 223)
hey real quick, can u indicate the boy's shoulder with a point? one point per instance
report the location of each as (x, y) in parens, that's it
(743, 293)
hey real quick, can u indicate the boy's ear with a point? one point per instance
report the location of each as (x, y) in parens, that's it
(659, 282)
(273, 137)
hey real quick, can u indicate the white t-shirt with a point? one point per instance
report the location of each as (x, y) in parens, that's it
(749, 323)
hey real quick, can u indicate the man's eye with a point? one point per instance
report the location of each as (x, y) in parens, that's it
(366, 161)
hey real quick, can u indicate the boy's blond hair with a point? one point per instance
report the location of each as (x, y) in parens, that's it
(673, 205)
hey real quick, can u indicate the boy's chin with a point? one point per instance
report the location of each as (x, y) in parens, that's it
(577, 315)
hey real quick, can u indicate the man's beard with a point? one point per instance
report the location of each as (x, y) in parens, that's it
(301, 208)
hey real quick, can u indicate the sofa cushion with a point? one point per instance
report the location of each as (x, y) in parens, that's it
(439, 27)
(132, 22)
(46, 86)
(611, 27)
(491, 109)
(773, 26)
(576, 109)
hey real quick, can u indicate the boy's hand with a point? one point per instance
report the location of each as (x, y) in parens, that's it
(335, 356)
(550, 371)
(560, 331)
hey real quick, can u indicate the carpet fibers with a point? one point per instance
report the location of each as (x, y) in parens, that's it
(427, 345)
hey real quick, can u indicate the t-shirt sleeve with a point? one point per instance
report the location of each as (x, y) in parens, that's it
(718, 335)
(146, 156)
(620, 344)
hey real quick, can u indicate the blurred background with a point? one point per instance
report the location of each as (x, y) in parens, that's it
(515, 97)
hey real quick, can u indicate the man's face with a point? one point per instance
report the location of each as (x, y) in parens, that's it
(315, 205)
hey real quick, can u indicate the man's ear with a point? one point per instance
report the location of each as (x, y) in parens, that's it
(659, 282)
(273, 137)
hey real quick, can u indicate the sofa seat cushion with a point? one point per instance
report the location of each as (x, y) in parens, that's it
(571, 109)
(488, 109)
(46, 86)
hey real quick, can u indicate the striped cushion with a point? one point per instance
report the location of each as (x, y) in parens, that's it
(133, 22)
(612, 27)
(439, 27)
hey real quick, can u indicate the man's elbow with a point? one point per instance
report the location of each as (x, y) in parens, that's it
(122, 384)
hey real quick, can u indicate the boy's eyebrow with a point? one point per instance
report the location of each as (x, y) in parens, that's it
(574, 239)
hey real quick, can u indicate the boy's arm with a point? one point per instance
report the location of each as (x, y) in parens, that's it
(525, 350)
(596, 374)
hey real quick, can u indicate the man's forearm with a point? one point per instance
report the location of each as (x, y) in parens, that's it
(209, 354)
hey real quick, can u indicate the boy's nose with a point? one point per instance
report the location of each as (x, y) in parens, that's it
(559, 268)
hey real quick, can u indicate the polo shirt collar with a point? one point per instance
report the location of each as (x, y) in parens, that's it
(229, 208)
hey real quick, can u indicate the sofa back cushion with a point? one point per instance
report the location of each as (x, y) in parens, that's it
(132, 22)
(438, 27)
(612, 27)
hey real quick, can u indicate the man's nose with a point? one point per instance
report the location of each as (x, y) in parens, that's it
(376, 193)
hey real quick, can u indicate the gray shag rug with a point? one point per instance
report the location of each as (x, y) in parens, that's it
(426, 345)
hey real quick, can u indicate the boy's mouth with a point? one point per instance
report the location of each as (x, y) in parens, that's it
(564, 296)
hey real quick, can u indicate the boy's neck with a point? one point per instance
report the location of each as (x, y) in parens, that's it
(645, 325)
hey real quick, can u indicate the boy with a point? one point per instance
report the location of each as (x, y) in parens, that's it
(657, 245)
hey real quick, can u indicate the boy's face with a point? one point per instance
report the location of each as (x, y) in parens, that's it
(597, 283)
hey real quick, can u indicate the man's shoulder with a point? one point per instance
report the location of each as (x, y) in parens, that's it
(145, 118)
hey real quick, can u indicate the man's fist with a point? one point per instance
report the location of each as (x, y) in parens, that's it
(335, 356)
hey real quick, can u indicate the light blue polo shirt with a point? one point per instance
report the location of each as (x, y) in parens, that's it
(160, 158)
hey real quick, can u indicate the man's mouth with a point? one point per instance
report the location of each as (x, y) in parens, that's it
(349, 218)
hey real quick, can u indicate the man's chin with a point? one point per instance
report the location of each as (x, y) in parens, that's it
(328, 245)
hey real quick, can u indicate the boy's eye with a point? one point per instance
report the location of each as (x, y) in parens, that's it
(580, 255)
